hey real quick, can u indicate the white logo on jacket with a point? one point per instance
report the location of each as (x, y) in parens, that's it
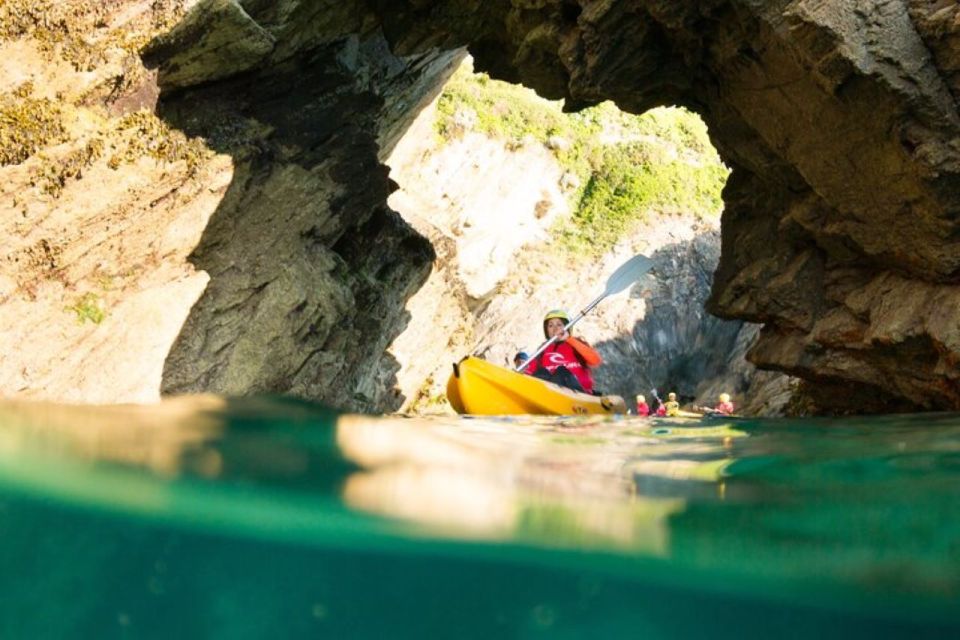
(555, 359)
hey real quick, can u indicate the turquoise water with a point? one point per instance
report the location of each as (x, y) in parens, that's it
(212, 518)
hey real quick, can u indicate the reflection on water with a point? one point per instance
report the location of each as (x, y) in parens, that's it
(543, 481)
(544, 524)
(157, 438)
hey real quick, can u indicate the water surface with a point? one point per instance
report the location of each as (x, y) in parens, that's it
(215, 518)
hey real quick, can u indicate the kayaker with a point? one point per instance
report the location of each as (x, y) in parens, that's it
(643, 409)
(671, 407)
(520, 358)
(723, 407)
(567, 360)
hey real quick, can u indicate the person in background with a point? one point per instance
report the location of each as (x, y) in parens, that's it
(671, 407)
(643, 409)
(567, 361)
(657, 409)
(520, 358)
(724, 406)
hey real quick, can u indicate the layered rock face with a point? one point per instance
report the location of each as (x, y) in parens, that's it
(309, 268)
(254, 254)
(838, 119)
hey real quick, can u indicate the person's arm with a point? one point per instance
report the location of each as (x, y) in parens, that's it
(589, 355)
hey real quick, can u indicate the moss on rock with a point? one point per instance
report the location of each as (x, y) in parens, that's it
(53, 174)
(27, 124)
(79, 31)
(142, 133)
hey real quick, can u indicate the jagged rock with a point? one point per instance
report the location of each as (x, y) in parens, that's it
(215, 40)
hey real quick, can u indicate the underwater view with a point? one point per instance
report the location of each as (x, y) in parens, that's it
(217, 518)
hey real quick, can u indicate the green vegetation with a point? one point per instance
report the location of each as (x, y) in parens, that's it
(88, 307)
(502, 110)
(626, 185)
(625, 165)
(516, 115)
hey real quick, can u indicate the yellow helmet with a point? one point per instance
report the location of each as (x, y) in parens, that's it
(641, 399)
(724, 397)
(671, 396)
(557, 313)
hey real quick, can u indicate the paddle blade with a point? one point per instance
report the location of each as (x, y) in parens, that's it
(628, 273)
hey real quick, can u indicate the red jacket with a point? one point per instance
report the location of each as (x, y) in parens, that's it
(643, 409)
(724, 407)
(562, 354)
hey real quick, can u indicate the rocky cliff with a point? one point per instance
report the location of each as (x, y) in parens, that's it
(232, 236)
(839, 121)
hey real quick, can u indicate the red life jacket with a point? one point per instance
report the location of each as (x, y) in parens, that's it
(561, 354)
(643, 409)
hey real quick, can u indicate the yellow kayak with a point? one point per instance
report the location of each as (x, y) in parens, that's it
(480, 387)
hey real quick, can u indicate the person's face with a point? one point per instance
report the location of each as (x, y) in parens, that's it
(554, 327)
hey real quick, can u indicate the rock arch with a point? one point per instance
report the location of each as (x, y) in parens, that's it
(839, 121)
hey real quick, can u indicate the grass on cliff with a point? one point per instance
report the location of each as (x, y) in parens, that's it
(625, 187)
(625, 166)
(88, 307)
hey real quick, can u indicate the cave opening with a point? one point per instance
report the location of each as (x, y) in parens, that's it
(530, 207)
